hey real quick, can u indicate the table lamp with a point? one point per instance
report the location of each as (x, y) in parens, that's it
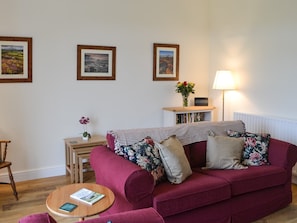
(223, 81)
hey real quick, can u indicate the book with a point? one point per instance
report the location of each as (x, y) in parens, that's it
(68, 207)
(87, 196)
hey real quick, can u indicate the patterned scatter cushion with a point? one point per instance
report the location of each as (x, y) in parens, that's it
(255, 151)
(146, 155)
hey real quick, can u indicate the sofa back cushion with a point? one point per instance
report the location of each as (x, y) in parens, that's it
(196, 153)
(192, 136)
(186, 133)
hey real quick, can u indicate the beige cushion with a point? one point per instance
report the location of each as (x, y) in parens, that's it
(223, 152)
(174, 159)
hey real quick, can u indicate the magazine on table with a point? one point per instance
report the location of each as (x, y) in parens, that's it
(87, 196)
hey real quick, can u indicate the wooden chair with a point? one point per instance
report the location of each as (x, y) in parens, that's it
(7, 164)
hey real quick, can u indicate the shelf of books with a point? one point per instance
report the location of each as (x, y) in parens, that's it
(180, 115)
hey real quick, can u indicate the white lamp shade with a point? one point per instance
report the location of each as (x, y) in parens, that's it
(224, 80)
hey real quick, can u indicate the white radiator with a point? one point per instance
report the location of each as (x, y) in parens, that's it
(279, 128)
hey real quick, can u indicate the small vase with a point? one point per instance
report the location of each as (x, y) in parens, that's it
(86, 138)
(185, 101)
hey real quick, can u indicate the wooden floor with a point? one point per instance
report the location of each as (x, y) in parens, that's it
(32, 196)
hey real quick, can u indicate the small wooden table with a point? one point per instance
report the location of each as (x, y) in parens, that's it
(76, 146)
(62, 195)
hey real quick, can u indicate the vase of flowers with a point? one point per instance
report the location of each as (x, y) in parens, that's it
(185, 88)
(84, 121)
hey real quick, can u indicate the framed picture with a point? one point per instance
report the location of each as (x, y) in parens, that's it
(166, 62)
(96, 62)
(15, 59)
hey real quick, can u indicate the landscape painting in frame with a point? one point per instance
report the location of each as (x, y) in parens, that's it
(166, 62)
(15, 59)
(96, 62)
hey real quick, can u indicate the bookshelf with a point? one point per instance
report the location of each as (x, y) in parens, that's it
(180, 115)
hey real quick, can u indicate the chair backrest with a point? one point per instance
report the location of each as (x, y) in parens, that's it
(3, 149)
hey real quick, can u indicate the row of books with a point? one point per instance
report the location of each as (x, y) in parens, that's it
(189, 117)
(84, 195)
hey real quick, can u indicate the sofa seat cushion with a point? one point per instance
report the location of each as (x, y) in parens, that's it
(252, 179)
(196, 191)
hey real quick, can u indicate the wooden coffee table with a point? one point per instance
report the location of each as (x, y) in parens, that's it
(62, 195)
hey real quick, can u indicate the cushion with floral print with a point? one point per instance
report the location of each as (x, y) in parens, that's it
(255, 151)
(146, 155)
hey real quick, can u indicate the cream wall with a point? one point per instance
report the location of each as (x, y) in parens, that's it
(257, 40)
(38, 116)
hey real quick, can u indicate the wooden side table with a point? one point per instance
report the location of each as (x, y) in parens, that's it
(76, 146)
(62, 195)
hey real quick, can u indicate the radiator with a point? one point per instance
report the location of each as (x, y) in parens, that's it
(279, 128)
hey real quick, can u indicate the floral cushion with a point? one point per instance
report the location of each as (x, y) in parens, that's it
(255, 151)
(146, 155)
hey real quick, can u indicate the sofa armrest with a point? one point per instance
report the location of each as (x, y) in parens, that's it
(37, 218)
(282, 154)
(120, 175)
(148, 215)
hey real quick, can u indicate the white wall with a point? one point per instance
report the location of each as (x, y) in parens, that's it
(257, 40)
(254, 38)
(38, 116)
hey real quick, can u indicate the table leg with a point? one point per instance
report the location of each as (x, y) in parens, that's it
(67, 163)
(71, 152)
(81, 169)
(76, 167)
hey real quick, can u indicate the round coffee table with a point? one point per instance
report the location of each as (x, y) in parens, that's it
(62, 195)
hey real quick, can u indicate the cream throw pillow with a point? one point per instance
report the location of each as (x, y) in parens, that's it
(223, 152)
(174, 159)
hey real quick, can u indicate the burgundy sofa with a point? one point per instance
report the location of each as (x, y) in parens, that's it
(208, 195)
(135, 216)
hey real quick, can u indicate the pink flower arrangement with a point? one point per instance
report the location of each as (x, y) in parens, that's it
(84, 121)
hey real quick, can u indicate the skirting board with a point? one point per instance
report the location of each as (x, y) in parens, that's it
(33, 174)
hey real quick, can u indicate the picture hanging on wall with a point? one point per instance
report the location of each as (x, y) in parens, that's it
(166, 62)
(15, 59)
(96, 62)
